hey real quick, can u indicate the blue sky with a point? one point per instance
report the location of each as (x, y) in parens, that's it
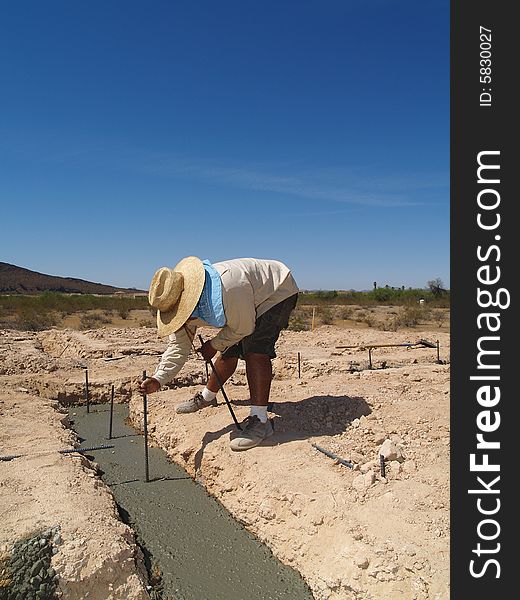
(133, 134)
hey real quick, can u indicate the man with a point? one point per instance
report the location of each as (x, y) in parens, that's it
(250, 301)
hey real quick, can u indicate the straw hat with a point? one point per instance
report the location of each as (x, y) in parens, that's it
(175, 293)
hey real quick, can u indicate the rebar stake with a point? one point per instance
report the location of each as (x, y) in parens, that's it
(299, 366)
(111, 413)
(145, 427)
(438, 353)
(65, 451)
(370, 358)
(86, 391)
(221, 386)
(342, 461)
(382, 464)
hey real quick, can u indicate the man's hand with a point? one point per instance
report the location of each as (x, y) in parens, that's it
(149, 386)
(207, 351)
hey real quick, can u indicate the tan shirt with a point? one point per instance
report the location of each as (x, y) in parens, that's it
(250, 287)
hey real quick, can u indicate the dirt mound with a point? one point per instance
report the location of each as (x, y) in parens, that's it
(23, 353)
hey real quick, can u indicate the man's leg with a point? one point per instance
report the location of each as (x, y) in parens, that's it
(259, 349)
(259, 371)
(225, 367)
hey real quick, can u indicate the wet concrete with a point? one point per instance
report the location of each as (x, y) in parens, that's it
(202, 552)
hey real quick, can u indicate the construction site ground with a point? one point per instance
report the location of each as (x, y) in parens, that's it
(351, 533)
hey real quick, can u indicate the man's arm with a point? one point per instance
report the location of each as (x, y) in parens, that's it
(172, 360)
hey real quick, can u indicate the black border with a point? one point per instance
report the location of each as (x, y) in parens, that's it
(474, 129)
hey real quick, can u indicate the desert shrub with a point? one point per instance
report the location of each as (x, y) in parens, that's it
(69, 303)
(370, 320)
(145, 323)
(439, 317)
(31, 320)
(123, 312)
(325, 316)
(412, 315)
(359, 315)
(389, 324)
(298, 322)
(92, 320)
(345, 313)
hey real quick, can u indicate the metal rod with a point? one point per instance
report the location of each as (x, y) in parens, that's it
(438, 353)
(86, 391)
(382, 464)
(370, 358)
(145, 427)
(299, 366)
(425, 343)
(102, 447)
(221, 386)
(111, 413)
(366, 346)
(334, 456)
(65, 451)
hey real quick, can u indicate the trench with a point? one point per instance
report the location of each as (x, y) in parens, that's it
(194, 549)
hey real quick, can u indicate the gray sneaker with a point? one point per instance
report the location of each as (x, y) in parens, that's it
(253, 432)
(195, 404)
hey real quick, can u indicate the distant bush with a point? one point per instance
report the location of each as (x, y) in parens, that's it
(92, 320)
(30, 320)
(370, 320)
(410, 316)
(145, 323)
(389, 324)
(298, 321)
(325, 316)
(67, 304)
(392, 296)
(439, 317)
(35, 312)
(345, 313)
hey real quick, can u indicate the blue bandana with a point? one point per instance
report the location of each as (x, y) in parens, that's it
(209, 307)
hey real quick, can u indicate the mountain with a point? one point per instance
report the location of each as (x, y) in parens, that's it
(17, 280)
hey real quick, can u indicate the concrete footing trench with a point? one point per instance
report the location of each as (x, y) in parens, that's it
(192, 546)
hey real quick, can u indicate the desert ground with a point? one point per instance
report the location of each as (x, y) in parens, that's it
(352, 533)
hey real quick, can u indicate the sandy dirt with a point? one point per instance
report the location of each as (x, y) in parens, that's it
(351, 533)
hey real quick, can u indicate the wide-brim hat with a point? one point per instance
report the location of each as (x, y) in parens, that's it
(175, 293)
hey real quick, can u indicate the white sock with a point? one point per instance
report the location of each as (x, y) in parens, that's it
(208, 395)
(260, 412)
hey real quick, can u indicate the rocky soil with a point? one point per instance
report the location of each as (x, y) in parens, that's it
(352, 533)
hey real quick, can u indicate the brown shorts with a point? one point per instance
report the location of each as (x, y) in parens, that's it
(267, 330)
